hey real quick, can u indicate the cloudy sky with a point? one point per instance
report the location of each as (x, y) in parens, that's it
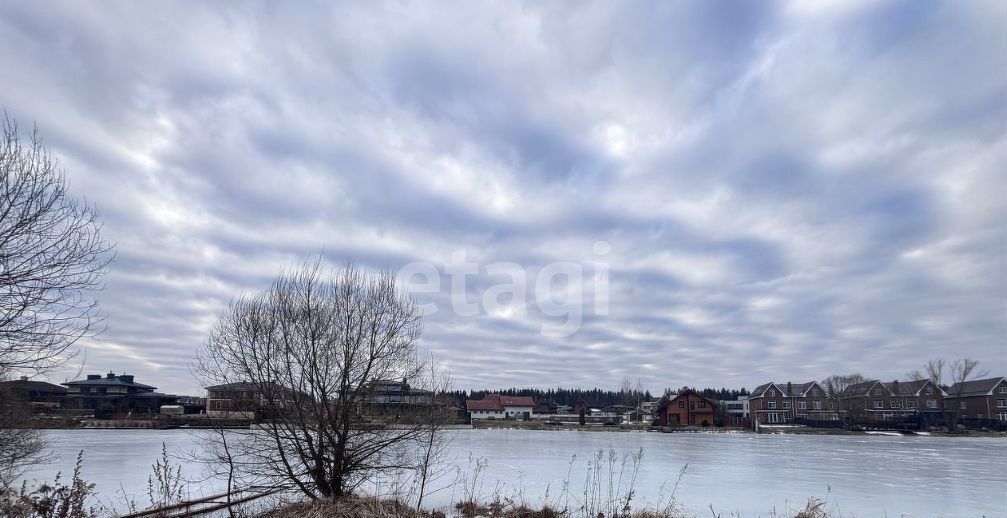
(784, 191)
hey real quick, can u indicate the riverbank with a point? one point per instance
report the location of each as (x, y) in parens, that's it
(367, 507)
(537, 425)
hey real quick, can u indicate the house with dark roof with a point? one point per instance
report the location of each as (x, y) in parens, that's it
(114, 395)
(687, 408)
(39, 395)
(498, 406)
(785, 402)
(979, 399)
(875, 400)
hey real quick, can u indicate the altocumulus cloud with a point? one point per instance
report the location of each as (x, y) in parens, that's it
(789, 190)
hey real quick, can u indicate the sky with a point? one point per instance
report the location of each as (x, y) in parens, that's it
(752, 191)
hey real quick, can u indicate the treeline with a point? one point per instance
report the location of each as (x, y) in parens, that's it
(596, 396)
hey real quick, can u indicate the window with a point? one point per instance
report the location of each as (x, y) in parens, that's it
(681, 404)
(931, 403)
(1002, 403)
(964, 405)
(895, 404)
(786, 404)
(818, 405)
(911, 403)
(773, 417)
(814, 392)
(772, 405)
(980, 415)
(1002, 416)
(802, 405)
(930, 391)
(879, 404)
(771, 393)
(1003, 389)
(702, 404)
(877, 392)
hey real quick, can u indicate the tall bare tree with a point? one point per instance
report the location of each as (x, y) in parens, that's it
(836, 385)
(52, 257)
(311, 348)
(52, 260)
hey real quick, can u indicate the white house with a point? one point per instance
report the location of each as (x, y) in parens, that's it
(496, 406)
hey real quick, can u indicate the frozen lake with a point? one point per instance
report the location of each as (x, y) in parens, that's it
(752, 475)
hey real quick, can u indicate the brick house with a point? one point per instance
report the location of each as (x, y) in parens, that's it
(875, 400)
(247, 400)
(781, 403)
(979, 399)
(687, 408)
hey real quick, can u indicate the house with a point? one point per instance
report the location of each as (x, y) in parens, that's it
(979, 399)
(786, 402)
(546, 408)
(642, 412)
(241, 399)
(687, 408)
(498, 406)
(39, 395)
(735, 411)
(113, 394)
(875, 400)
(391, 395)
(583, 406)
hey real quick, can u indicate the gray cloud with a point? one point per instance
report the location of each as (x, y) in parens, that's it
(789, 191)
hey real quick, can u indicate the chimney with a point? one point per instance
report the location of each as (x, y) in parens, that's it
(110, 375)
(24, 378)
(128, 378)
(94, 376)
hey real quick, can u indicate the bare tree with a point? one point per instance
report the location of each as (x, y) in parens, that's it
(836, 385)
(311, 348)
(52, 259)
(433, 445)
(935, 372)
(960, 372)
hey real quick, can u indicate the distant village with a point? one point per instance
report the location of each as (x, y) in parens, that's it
(121, 401)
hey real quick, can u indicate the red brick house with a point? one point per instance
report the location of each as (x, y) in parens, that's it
(875, 400)
(687, 408)
(781, 403)
(979, 399)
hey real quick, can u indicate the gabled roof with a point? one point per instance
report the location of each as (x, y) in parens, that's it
(760, 391)
(667, 400)
(908, 388)
(863, 388)
(796, 389)
(983, 387)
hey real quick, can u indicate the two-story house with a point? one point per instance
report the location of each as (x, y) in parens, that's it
(979, 399)
(875, 400)
(784, 402)
(113, 394)
(687, 408)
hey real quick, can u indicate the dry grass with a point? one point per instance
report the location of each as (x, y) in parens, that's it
(353, 507)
